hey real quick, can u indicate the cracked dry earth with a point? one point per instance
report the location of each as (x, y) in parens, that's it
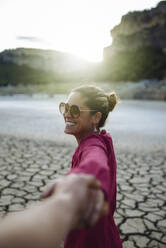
(26, 166)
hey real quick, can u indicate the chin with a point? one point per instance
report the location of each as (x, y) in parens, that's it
(68, 132)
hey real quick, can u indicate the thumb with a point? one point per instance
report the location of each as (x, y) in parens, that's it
(49, 191)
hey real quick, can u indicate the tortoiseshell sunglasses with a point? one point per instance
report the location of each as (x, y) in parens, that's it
(73, 109)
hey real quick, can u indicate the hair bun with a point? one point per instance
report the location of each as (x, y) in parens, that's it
(112, 100)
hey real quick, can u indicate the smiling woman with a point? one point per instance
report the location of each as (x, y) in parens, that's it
(85, 113)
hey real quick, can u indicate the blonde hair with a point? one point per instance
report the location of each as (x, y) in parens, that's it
(112, 100)
(97, 99)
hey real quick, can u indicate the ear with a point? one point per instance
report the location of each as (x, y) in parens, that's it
(97, 117)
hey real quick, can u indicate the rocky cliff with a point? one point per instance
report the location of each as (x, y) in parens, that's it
(139, 29)
(141, 35)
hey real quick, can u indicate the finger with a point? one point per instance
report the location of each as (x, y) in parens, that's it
(48, 192)
(105, 209)
(90, 181)
(94, 184)
(96, 214)
(94, 205)
(87, 208)
(51, 189)
(90, 203)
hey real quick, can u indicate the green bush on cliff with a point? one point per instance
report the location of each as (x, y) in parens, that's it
(143, 63)
(12, 74)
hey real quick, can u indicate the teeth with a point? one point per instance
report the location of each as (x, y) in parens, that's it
(70, 123)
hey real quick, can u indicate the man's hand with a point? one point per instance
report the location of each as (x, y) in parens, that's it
(84, 196)
(75, 201)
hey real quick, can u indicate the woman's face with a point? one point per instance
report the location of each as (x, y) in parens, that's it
(83, 125)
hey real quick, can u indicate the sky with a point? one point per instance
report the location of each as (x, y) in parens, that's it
(79, 27)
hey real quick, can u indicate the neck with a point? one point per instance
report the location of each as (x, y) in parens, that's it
(81, 137)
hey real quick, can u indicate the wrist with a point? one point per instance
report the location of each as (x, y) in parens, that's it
(65, 207)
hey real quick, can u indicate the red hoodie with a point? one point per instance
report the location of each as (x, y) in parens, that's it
(95, 156)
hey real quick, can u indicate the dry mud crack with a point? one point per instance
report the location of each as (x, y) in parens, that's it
(27, 166)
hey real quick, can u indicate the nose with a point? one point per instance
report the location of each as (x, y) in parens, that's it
(67, 113)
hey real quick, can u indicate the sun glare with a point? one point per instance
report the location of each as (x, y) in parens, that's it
(77, 27)
(79, 30)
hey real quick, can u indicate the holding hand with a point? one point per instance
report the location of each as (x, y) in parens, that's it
(84, 198)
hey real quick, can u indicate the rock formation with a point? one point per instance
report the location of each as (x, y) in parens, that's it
(139, 29)
(139, 42)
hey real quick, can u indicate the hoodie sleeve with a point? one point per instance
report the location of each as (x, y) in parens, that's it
(93, 160)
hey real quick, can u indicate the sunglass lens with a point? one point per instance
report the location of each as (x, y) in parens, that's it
(62, 107)
(74, 110)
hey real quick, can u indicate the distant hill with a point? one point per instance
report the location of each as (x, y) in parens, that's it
(25, 65)
(138, 50)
